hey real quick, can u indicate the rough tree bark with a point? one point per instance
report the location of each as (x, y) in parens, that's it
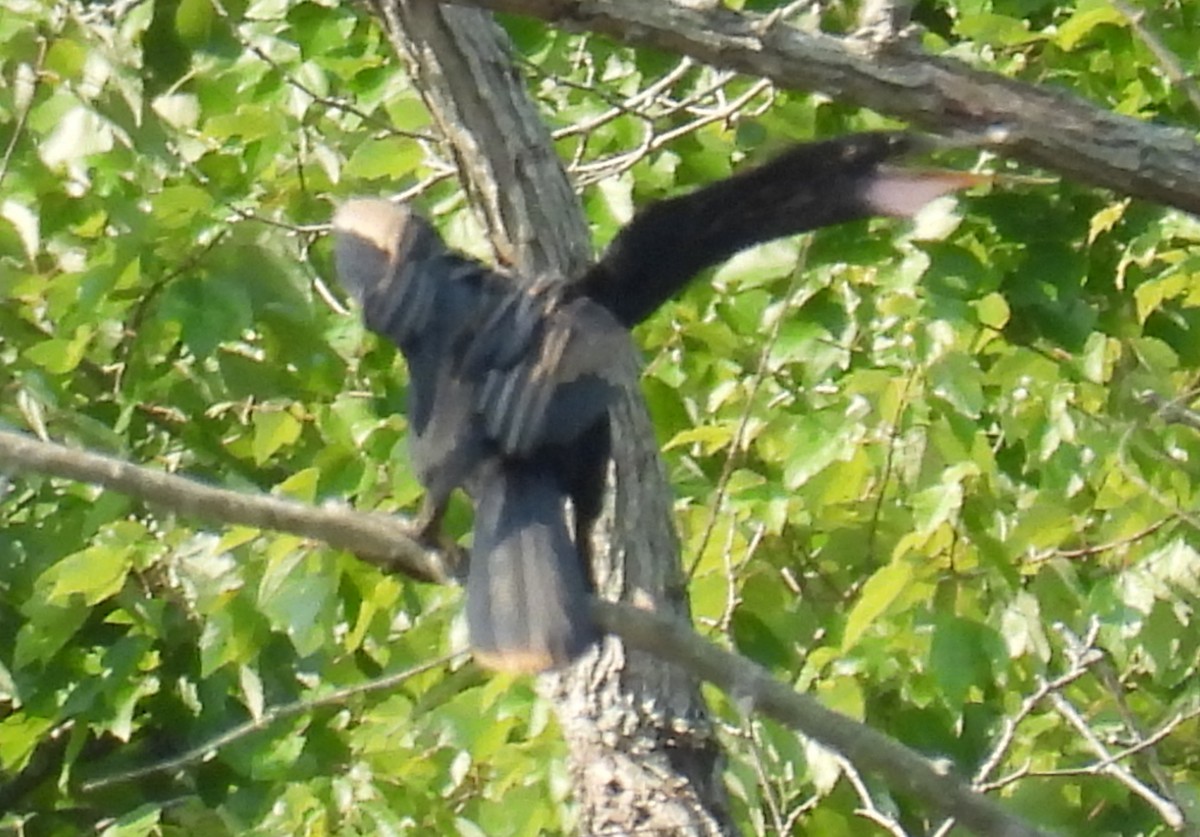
(641, 745)
(1040, 125)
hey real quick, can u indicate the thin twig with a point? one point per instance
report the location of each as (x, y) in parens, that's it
(752, 687)
(1171, 411)
(597, 170)
(1168, 60)
(1169, 811)
(25, 108)
(867, 809)
(328, 101)
(269, 716)
(1082, 655)
(798, 283)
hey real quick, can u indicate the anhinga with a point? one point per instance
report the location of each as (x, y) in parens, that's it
(511, 378)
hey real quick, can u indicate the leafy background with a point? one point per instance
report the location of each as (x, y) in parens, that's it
(916, 471)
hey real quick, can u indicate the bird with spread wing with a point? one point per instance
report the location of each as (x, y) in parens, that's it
(511, 378)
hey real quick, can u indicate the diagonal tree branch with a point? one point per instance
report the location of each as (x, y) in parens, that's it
(641, 748)
(379, 539)
(1042, 126)
(666, 637)
(753, 687)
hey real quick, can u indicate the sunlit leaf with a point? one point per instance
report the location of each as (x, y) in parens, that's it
(273, 429)
(878, 593)
(393, 157)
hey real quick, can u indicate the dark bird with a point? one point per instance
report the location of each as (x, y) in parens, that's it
(511, 378)
(510, 383)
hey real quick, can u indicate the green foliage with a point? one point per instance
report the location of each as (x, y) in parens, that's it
(915, 472)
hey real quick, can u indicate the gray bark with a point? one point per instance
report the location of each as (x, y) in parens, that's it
(1043, 126)
(641, 745)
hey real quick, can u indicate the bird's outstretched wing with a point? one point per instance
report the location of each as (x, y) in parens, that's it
(809, 186)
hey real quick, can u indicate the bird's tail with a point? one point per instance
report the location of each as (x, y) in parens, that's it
(527, 588)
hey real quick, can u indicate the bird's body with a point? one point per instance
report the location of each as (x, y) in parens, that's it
(508, 399)
(511, 379)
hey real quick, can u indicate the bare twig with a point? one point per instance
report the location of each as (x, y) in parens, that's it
(601, 169)
(868, 810)
(204, 751)
(1172, 410)
(1145, 745)
(1046, 126)
(1169, 811)
(760, 771)
(792, 302)
(754, 688)
(1082, 655)
(331, 102)
(26, 99)
(1107, 546)
(1168, 60)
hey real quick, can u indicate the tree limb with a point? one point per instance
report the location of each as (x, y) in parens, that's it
(641, 748)
(665, 637)
(1042, 126)
(463, 69)
(379, 539)
(753, 687)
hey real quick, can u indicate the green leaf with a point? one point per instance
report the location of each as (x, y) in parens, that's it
(48, 629)
(1151, 295)
(140, 822)
(957, 378)
(178, 206)
(252, 691)
(80, 133)
(879, 592)
(711, 438)
(1107, 218)
(299, 601)
(992, 311)
(250, 123)
(58, 356)
(208, 310)
(391, 158)
(813, 443)
(301, 485)
(96, 573)
(20, 734)
(232, 634)
(194, 22)
(999, 30)
(1087, 17)
(960, 659)
(936, 505)
(273, 429)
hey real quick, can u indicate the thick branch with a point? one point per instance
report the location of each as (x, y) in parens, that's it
(752, 686)
(387, 542)
(1044, 126)
(379, 539)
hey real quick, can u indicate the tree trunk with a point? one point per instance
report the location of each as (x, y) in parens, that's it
(641, 744)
